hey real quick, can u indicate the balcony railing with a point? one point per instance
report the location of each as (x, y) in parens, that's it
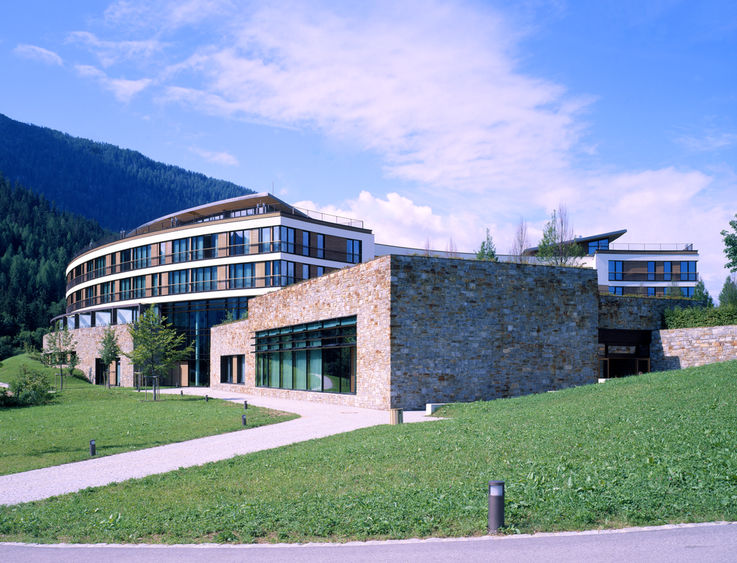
(246, 212)
(211, 253)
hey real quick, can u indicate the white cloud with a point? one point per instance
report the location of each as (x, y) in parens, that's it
(113, 52)
(35, 53)
(217, 157)
(123, 90)
(435, 91)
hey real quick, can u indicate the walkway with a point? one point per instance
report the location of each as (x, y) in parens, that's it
(317, 420)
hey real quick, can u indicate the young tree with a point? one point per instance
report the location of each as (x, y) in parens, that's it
(521, 243)
(109, 351)
(487, 251)
(728, 295)
(730, 246)
(557, 246)
(61, 346)
(156, 345)
(701, 295)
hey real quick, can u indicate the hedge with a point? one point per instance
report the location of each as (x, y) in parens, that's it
(691, 317)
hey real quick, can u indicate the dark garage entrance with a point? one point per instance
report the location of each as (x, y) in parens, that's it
(623, 352)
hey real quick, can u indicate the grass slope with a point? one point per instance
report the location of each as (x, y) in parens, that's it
(119, 420)
(651, 449)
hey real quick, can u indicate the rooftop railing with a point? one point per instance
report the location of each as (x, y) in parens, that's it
(678, 246)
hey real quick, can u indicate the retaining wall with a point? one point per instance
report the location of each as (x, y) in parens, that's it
(686, 347)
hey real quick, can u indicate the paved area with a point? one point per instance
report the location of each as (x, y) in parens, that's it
(713, 542)
(316, 420)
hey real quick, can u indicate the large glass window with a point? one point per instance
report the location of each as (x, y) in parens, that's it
(320, 246)
(615, 270)
(688, 271)
(651, 271)
(318, 356)
(286, 239)
(265, 239)
(615, 290)
(179, 281)
(155, 284)
(239, 243)
(305, 243)
(106, 292)
(139, 287)
(241, 275)
(232, 369)
(353, 251)
(180, 250)
(142, 256)
(125, 289)
(125, 260)
(595, 245)
(204, 279)
(99, 266)
(666, 271)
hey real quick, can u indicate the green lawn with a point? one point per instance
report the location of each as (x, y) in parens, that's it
(652, 449)
(119, 420)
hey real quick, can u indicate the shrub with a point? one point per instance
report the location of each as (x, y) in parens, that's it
(691, 317)
(31, 387)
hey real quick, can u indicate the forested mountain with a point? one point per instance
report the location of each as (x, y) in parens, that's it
(36, 243)
(119, 188)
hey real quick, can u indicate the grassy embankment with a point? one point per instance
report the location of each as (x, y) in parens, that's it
(119, 420)
(652, 449)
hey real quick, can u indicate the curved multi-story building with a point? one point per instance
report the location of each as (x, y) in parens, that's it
(201, 265)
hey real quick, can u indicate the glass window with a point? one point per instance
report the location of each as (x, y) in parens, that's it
(179, 281)
(651, 271)
(103, 318)
(99, 266)
(651, 291)
(305, 243)
(106, 292)
(139, 287)
(319, 356)
(240, 276)
(666, 271)
(286, 239)
(688, 271)
(125, 260)
(204, 279)
(615, 290)
(239, 243)
(305, 271)
(615, 270)
(125, 289)
(265, 239)
(320, 246)
(180, 250)
(155, 284)
(319, 271)
(353, 251)
(142, 256)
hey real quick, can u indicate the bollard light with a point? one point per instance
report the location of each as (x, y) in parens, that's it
(181, 392)
(93, 449)
(496, 505)
(207, 398)
(243, 419)
(245, 405)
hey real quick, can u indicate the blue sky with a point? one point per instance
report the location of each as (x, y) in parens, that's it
(429, 120)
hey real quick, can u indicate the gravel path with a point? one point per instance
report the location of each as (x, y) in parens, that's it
(316, 421)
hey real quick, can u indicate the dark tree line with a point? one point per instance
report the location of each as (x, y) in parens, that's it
(36, 243)
(119, 188)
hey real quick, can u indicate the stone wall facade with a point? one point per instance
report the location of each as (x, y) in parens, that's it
(464, 330)
(88, 350)
(362, 290)
(687, 347)
(635, 313)
(437, 330)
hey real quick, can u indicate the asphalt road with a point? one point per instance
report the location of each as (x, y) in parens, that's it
(714, 542)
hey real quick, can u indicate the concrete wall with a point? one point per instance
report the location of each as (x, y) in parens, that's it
(467, 330)
(437, 330)
(635, 313)
(686, 347)
(88, 349)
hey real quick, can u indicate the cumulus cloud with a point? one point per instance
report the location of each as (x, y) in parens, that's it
(217, 157)
(123, 90)
(35, 53)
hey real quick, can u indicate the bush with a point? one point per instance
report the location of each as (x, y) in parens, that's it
(31, 387)
(692, 317)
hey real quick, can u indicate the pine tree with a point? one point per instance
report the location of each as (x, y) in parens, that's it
(728, 295)
(487, 251)
(701, 295)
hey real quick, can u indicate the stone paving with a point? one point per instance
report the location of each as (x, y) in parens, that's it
(316, 420)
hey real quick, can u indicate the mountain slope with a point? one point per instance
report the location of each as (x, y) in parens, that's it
(36, 242)
(119, 188)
